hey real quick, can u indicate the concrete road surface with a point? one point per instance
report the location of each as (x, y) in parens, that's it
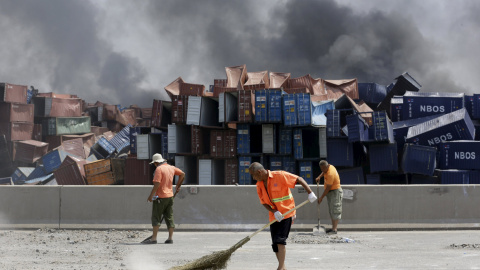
(119, 249)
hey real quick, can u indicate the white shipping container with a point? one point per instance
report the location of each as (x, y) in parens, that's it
(193, 110)
(268, 139)
(205, 171)
(143, 146)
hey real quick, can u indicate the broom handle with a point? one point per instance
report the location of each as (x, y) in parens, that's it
(273, 221)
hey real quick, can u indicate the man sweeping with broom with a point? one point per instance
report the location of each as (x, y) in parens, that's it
(273, 188)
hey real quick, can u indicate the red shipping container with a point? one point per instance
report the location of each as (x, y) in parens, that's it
(16, 112)
(217, 90)
(114, 126)
(231, 171)
(66, 107)
(230, 146)
(296, 90)
(101, 179)
(110, 112)
(278, 79)
(13, 93)
(53, 141)
(190, 89)
(179, 109)
(197, 141)
(70, 173)
(54, 95)
(74, 147)
(127, 117)
(223, 143)
(245, 106)
(138, 111)
(301, 82)
(17, 131)
(220, 82)
(30, 151)
(161, 113)
(146, 113)
(138, 172)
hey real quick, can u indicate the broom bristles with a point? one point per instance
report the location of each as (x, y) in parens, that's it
(216, 260)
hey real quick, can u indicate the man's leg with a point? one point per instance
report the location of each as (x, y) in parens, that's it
(168, 214)
(334, 224)
(282, 251)
(170, 233)
(155, 231)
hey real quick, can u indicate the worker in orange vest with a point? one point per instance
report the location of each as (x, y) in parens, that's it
(273, 188)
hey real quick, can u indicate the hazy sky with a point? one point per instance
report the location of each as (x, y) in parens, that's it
(126, 52)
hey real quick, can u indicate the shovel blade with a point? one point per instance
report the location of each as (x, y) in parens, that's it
(318, 230)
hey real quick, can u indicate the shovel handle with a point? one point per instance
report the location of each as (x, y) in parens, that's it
(273, 221)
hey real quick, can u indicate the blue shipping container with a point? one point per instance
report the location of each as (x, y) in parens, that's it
(289, 164)
(297, 144)
(400, 130)
(340, 152)
(476, 106)
(289, 110)
(121, 139)
(318, 112)
(416, 105)
(334, 127)
(243, 138)
(38, 172)
(373, 179)
(134, 131)
(276, 163)
(381, 129)
(244, 177)
(372, 93)
(449, 127)
(274, 106)
(453, 177)
(419, 159)
(306, 171)
(470, 105)
(52, 160)
(304, 109)
(461, 155)
(21, 174)
(261, 106)
(357, 128)
(285, 144)
(352, 176)
(383, 157)
(396, 108)
(6, 181)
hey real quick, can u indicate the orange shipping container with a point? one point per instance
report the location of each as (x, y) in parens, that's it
(101, 179)
(97, 167)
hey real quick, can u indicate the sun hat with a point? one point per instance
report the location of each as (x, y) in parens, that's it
(157, 158)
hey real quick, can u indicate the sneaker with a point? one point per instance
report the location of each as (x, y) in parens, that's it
(168, 241)
(330, 231)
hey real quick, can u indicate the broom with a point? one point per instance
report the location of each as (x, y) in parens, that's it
(219, 259)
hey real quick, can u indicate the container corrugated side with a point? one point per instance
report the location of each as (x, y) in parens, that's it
(306, 171)
(285, 143)
(396, 109)
(383, 157)
(30, 151)
(121, 139)
(357, 128)
(97, 167)
(461, 155)
(205, 169)
(243, 138)
(371, 93)
(245, 107)
(101, 179)
(13, 93)
(71, 174)
(37, 172)
(244, 177)
(304, 109)
(416, 105)
(382, 128)
(334, 128)
(179, 109)
(261, 106)
(289, 110)
(274, 99)
(276, 163)
(17, 131)
(456, 125)
(340, 152)
(400, 130)
(15, 112)
(52, 160)
(269, 139)
(231, 171)
(322, 136)
(289, 164)
(372, 179)
(419, 159)
(297, 144)
(74, 147)
(138, 172)
(6, 181)
(352, 176)
(453, 177)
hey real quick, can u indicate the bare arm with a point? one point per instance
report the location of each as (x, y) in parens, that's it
(181, 177)
(156, 185)
(304, 184)
(319, 177)
(269, 208)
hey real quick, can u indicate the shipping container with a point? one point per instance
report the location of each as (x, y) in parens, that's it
(383, 157)
(179, 109)
(353, 176)
(57, 107)
(400, 130)
(476, 106)
(150, 144)
(289, 164)
(213, 172)
(38, 172)
(189, 165)
(15, 112)
(6, 181)
(340, 152)
(459, 155)
(285, 141)
(372, 179)
(118, 170)
(319, 109)
(37, 132)
(245, 106)
(64, 125)
(419, 159)
(418, 105)
(179, 139)
(417, 179)
(261, 106)
(53, 159)
(448, 127)
(290, 110)
(470, 105)
(146, 113)
(396, 109)
(357, 128)
(189, 89)
(43, 180)
(121, 141)
(6, 165)
(95, 113)
(245, 144)
(268, 106)
(453, 177)
(223, 143)
(21, 174)
(336, 120)
(217, 90)
(103, 149)
(275, 163)
(101, 179)
(228, 108)
(269, 136)
(231, 171)
(161, 113)
(402, 84)
(139, 172)
(30, 151)
(97, 167)
(202, 111)
(382, 128)
(372, 93)
(244, 177)
(134, 131)
(110, 112)
(71, 174)
(304, 109)
(74, 147)
(306, 171)
(308, 143)
(13, 93)
(17, 131)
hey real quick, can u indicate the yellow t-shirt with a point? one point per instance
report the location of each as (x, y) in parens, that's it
(331, 178)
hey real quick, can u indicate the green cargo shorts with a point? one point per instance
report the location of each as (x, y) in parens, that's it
(334, 198)
(163, 206)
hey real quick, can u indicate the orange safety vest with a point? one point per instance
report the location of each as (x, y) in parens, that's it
(279, 196)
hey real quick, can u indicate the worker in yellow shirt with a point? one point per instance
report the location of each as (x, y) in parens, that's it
(333, 191)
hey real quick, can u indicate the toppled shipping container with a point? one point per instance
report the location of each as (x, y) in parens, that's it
(419, 159)
(202, 111)
(417, 105)
(30, 151)
(383, 157)
(64, 125)
(402, 84)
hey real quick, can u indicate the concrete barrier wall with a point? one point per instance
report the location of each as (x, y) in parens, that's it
(235, 207)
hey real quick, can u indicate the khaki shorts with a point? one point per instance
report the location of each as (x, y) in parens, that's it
(163, 206)
(334, 198)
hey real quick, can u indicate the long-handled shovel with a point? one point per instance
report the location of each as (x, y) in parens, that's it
(318, 230)
(219, 259)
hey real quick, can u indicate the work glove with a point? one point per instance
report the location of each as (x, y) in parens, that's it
(312, 197)
(278, 216)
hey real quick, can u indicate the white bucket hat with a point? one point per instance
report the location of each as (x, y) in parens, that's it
(157, 158)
